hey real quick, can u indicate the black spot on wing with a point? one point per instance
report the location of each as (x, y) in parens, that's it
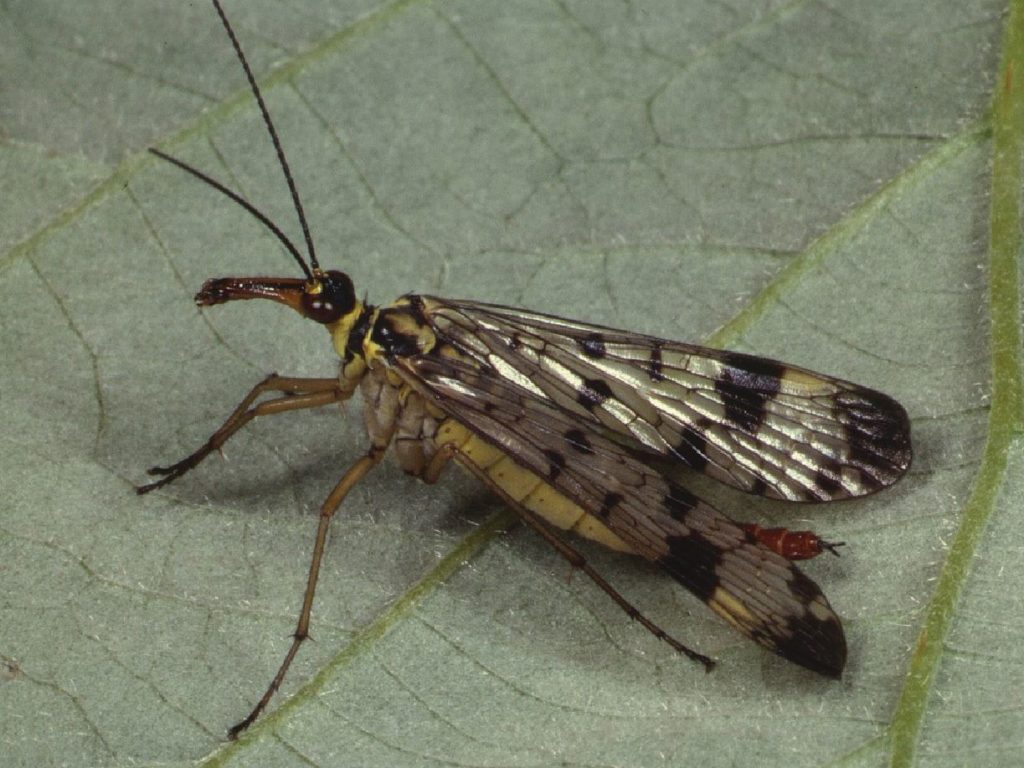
(812, 642)
(610, 501)
(769, 372)
(827, 482)
(692, 446)
(878, 433)
(678, 502)
(577, 439)
(654, 365)
(758, 486)
(593, 392)
(593, 346)
(556, 463)
(746, 384)
(692, 560)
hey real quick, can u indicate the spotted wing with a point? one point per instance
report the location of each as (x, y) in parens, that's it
(757, 591)
(756, 424)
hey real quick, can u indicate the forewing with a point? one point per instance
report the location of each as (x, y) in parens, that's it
(760, 593)
(753, 423)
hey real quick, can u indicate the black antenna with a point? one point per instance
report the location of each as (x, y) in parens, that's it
(256, 212)
(273, 135)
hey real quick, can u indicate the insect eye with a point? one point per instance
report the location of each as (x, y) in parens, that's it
(335, 298)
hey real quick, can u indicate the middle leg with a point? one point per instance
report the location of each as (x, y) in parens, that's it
(575, 558)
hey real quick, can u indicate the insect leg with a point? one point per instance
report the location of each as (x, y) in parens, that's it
(566, 550)
(298, 394)
(432, 472)
(576, 560)
(354, 474)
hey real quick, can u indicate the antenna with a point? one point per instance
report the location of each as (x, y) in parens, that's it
(256, 212)
(252, 209)
(273, 135)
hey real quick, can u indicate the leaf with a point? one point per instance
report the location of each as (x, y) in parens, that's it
(822, 184)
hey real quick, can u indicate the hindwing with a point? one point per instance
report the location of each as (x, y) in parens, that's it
(757, 591)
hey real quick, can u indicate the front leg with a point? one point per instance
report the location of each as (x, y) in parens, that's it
(298, 394)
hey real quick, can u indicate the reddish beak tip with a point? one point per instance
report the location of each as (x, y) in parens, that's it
(212, 292)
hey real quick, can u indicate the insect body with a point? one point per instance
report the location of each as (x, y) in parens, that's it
(564, 421)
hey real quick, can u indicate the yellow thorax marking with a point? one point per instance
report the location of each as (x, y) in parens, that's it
(341, 329)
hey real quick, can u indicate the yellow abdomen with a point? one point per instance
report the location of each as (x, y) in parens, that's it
(524, 487)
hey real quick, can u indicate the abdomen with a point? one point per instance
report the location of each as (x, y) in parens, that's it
(523, 487)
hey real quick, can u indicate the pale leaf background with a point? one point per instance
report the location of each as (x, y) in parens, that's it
(811, 178)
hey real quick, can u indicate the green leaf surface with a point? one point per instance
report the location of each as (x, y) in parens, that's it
(830, 184)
